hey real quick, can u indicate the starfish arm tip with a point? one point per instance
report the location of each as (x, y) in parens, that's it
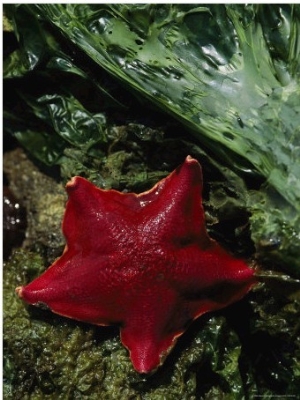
(190, 160)
(19, 291)
(149, 362)
(73, 182)
(193, 171)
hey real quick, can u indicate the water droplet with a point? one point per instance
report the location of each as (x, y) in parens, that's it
(240, 122)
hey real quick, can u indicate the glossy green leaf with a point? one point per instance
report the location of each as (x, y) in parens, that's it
(229, 73)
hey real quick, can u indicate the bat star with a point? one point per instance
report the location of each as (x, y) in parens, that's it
(142, 261)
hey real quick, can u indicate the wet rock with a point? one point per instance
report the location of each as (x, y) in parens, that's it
(14, 222)
(43, 198)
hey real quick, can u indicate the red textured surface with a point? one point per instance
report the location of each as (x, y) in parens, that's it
(142, 261)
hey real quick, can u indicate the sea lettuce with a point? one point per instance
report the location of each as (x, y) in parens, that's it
(230, 74)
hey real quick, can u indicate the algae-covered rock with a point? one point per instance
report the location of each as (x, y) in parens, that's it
(51, 357)
(231, 354)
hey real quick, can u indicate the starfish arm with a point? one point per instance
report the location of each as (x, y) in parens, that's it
(176, 216)
(78, 289)
(211, 279)
(148, 332)
(97, 220)
(210, 266)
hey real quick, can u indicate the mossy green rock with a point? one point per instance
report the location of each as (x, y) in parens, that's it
(230, 355)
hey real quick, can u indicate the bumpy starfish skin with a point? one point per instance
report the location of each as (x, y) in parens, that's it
(143, 261)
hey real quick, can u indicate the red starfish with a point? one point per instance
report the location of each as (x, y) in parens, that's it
(143, 261)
